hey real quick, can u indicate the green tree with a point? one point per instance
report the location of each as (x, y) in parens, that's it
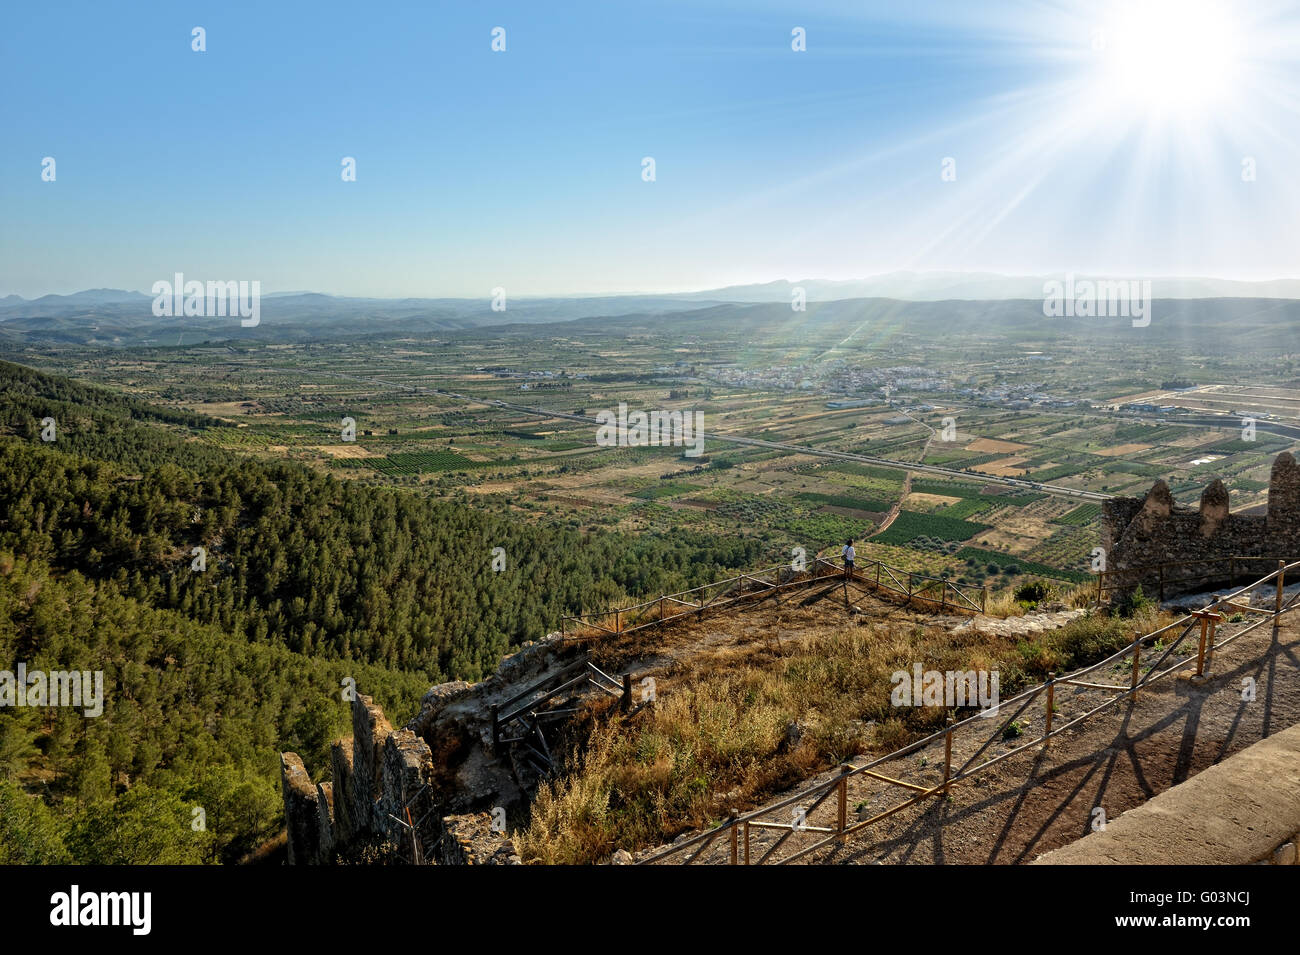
(144, 826)
(29, 832)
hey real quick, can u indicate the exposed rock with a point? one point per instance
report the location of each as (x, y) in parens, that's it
(794, 731)
(434, 701)
(1018, 626)
(470, 840)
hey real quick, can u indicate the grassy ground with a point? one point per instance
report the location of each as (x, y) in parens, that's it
(730, 729)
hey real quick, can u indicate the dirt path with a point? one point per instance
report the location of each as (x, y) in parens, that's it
(907, 482)
(897, 508)
(1039, 800)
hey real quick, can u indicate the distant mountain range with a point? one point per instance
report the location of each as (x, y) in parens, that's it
(985, 286)
(118, 317)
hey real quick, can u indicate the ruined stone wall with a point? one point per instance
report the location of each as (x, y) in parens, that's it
(1141, 532)
(438, 772)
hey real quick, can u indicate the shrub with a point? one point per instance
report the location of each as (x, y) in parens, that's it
(1033, 592)
(1135, 603)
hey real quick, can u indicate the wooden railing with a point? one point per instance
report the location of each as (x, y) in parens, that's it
(524, 713)
(938, 593)
(736, 831)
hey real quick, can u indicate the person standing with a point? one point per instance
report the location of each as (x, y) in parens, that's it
(849, 555)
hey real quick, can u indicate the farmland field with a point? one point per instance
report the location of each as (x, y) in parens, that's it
(453, 416)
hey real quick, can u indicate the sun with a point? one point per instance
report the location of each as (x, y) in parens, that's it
(1176, 56)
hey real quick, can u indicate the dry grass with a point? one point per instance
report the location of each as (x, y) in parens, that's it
(1003, 604)
(722, 734)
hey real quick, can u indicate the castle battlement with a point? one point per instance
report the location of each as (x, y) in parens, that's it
(1148, 531)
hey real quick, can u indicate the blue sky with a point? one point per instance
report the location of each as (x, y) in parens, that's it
(522, 169)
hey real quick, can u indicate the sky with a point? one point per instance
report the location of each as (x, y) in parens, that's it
(1147, 137)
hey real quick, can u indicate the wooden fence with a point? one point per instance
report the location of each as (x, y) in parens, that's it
(525, 715)
(1158, 646)
(934, 593)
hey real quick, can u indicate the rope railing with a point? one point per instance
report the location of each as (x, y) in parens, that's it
(738, 828)
(871, 575)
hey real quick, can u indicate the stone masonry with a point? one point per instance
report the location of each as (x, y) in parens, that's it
(1142, 532)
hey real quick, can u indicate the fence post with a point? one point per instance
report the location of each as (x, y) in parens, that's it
(943, 595)
(843, 820)
(909, 587)
(625, 704)
(1200, 651)
(1209, 637)
(1137, 660)
(947, 755)
(734, 846)
(1051, 703)
(618, 624)
(746, 825)
(1277, 604)
(877, 575)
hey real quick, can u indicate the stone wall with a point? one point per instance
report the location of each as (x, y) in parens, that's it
(301, 814)
(1141, 532)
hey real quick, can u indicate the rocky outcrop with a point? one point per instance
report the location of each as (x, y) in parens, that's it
(438, 767)
(471, 840)
(379, 775)
(1141, 533)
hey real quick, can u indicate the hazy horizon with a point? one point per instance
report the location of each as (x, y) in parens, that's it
(1016, 138)
(933, 276)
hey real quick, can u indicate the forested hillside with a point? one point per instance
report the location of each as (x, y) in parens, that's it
(208, 674)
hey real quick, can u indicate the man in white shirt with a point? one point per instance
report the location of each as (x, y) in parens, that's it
(849, 555)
